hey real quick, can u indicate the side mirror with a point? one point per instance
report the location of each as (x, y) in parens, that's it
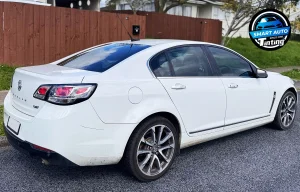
(261, 73)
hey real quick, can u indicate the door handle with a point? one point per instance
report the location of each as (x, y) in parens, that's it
(233, 86)
(178, 86)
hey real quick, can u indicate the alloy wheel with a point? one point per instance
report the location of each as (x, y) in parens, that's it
(288, 110)
(155, 150)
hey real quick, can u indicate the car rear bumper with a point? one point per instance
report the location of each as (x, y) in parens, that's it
(52, 158)
(74, 133)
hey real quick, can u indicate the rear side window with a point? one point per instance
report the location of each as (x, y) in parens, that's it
(102, 58)
(160, 66)
(189, 61)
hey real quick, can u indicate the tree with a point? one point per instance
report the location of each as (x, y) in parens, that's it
(242, 11)
(163, 6)
(111, 4)
(296, 25)
(136, 5)
(278, 4)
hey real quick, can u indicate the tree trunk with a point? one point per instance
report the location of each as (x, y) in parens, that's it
(156, 5)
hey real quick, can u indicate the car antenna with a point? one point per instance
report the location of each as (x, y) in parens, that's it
(131, 38)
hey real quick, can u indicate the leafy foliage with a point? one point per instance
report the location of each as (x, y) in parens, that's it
(296, 25)
(6, 74)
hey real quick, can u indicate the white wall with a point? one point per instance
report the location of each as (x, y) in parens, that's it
(204, 11)
(188, 10)
(218, 13)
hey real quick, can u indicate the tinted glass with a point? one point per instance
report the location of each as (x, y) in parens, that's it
(271, 19)
(102, 58)
(189, 61)
(160, 66)
(230, 64)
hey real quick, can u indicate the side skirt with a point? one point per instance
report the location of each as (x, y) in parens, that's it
(202, 137)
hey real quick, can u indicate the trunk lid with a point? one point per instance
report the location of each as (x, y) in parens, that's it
(26, 80)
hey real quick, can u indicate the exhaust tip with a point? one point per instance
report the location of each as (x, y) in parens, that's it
(45, 162)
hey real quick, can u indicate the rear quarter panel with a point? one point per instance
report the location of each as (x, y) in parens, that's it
(112, 102)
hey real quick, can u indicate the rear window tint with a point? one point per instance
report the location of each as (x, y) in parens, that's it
(102, 58)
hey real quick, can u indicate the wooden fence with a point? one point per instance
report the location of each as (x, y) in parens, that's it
(178, 27)
(165, 26)
(33, 35)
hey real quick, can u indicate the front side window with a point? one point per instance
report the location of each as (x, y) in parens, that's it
(189, 61)
(102, 58)
(230, 64)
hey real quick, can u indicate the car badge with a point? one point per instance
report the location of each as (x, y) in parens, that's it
(19, 85)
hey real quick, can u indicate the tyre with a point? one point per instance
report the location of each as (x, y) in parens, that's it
(286, 112)
(151, 149)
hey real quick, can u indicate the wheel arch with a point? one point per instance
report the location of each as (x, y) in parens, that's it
(170, 116)
(293, 90)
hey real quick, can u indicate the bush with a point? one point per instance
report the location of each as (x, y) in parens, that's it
(295, 37)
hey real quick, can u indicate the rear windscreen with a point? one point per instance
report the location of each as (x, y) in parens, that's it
(102, 58)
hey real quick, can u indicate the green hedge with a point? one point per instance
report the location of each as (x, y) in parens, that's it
(295, 37)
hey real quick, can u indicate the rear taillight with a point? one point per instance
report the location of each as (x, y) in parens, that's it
(65, 94)
(41, 92)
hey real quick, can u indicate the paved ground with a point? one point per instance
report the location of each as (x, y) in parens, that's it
(261, 159)
(2, 96)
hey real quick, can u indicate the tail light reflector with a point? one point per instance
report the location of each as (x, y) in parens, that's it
(41, 92)
(41, 148)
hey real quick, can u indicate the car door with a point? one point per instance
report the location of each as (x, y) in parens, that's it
(248, 98)
(198, 96)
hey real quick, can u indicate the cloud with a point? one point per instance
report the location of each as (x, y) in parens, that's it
(102, 3)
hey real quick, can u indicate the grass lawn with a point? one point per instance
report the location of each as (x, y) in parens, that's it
(289, 55)
(293, 74)
(6, 74)
(1, 121)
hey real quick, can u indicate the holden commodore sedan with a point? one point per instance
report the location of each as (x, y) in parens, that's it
(141, 102)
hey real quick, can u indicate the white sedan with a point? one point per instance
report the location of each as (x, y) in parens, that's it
(141, 102)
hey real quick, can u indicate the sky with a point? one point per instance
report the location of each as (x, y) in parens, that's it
(102, 3)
